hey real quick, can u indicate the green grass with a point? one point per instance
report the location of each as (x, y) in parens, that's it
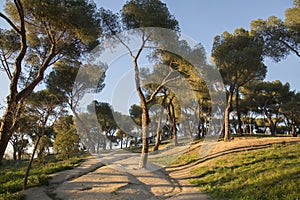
(12, 174)
(272, 173)
(184, 159)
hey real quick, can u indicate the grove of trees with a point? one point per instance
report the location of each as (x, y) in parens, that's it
(47, 42)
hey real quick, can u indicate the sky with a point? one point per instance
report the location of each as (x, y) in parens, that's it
(202, 20)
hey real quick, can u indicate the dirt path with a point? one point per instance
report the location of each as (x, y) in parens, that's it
(120, 179)
(87, 166)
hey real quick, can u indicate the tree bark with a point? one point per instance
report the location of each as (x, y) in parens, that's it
(121, 138)
(174, 124)
(6, 129)
(158, 131)
(227, 112)
(203, 130)
(145, 116)
(145, 143)
(19, 155)
(250, 125)
(90, 144)
(293, 129)
(14, 153)
(30, 163)
(238, 112)
(272, 126)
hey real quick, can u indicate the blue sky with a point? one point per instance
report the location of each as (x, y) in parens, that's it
(202, 20)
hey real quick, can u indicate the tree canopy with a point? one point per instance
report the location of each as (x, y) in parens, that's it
(43, 33)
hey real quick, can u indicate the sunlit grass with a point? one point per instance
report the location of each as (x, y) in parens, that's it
(12, 174)
(271, 173)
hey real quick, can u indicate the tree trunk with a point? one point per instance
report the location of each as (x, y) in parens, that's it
(199, 129)
(158, 131)
(135, 141)
(6, 129)
(90, 143)
(15, 149)
(104, 143)
(110, 144)
(145, 144)
(40, 154)
(126, 145)
(30, 163)
(174, 124)
(121, 139)
(244, 127)
(145, 115)
(19, 156)
(272, 126)
(175, 135)
(203, 128)
(239, 121)
(293, 129)
(98, 144)
(227, 112)
(250, 126)
(3, 144)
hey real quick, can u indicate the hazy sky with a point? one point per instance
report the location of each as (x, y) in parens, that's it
(204, 19)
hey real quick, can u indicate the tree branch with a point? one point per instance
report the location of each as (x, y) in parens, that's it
(10, 22)
(161, 85)
(6, 67)
(40, 75)
(290, 47)
(23, 49)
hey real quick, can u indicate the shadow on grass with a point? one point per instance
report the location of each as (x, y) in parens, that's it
(285, 186)
(274, 174)
(222, 153)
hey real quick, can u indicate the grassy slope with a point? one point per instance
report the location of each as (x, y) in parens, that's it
(268, 173)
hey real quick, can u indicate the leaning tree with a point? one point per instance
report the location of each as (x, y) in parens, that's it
(136, 15)
(42, 33)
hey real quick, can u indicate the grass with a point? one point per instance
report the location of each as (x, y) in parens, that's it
(12, 174)
(184, 159)
(271, 173)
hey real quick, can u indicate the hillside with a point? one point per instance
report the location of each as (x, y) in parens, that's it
(245, 168)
